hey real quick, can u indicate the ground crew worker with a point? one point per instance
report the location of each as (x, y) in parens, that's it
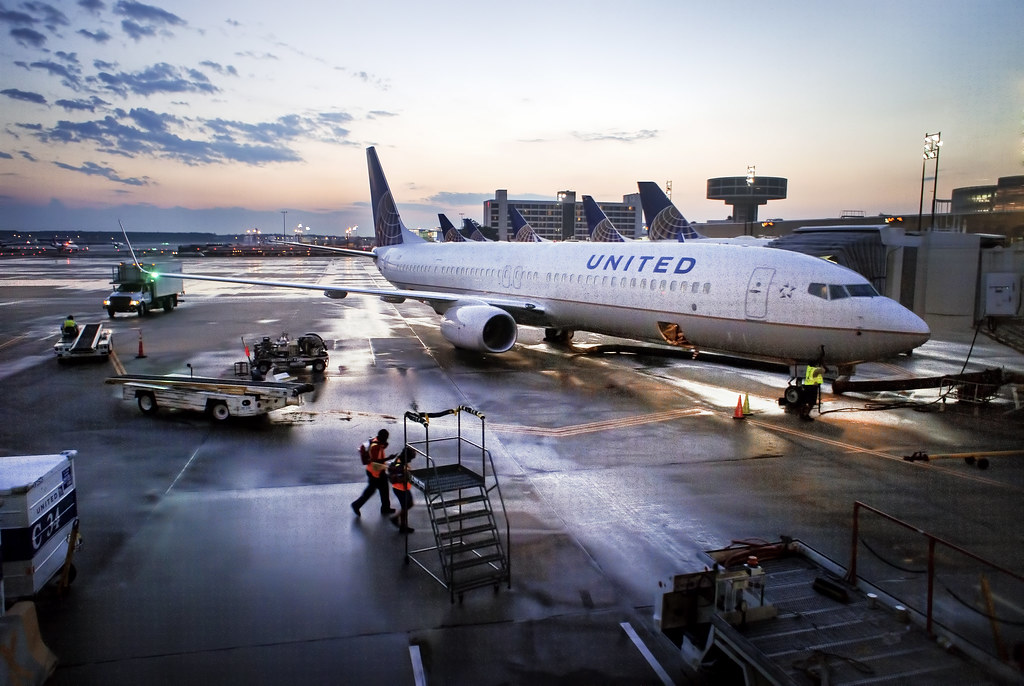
(813, 378)
(398, 474)
(376, 475)
(70, 327)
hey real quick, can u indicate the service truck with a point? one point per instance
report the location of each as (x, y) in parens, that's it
(141, 291)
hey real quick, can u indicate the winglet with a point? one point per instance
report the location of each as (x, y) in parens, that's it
(387, 223)
(135, 260)
(601, 228)
(664, 221)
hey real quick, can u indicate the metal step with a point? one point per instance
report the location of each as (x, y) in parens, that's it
(453, 549)
(468, 500)
(477, 561)
(461, 517)
(465, 531)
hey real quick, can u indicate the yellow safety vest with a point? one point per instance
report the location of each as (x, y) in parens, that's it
(813, 376)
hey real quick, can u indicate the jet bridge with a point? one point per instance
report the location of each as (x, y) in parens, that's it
(463, 501)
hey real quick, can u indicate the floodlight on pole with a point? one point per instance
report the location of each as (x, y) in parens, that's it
(932, 143)
(284, 230)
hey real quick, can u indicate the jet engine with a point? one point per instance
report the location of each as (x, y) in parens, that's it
(479, 327)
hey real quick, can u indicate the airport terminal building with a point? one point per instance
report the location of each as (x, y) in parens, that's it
(563, 219)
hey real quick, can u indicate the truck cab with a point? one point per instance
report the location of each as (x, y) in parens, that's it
(143, 290)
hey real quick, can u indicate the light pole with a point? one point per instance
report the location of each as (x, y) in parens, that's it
(284, 215)
(932, 143)
(750, 201)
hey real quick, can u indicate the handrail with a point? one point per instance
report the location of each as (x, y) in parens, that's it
(851, 575)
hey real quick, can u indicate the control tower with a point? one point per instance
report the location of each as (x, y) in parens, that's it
(745, 193)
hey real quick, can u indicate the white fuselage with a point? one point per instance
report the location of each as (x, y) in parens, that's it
(740, 299)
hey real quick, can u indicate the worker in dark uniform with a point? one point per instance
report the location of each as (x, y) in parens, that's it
(398, 474)
(814, 376)
(376, 475)
(69, 328)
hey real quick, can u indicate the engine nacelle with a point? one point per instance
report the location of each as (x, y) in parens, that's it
(479, 327)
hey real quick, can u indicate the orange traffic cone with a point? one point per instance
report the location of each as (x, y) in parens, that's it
(141, 353)
(738, 414)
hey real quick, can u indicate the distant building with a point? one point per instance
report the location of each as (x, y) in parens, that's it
(745, 193)
(563, 219)
(1006, 196)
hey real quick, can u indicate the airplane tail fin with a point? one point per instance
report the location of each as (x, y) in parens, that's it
(664, 221)
(471, 228)
(387, 223)
(601, 228)
(449, 234)
(524, 233)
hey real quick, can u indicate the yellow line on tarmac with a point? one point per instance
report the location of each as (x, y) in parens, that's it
(604, 425)
(878, 453)
(12, 341)
(116, 361)
(980, 453)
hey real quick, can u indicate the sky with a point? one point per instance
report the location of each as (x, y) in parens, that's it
(220, 116)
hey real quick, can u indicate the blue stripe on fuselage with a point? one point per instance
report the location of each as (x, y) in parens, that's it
(638, 263)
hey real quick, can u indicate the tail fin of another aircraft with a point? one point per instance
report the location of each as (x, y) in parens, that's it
(387, 223)
(471, 229)
(664, 221)
(449, 234)
(601, 228)
(524, 233)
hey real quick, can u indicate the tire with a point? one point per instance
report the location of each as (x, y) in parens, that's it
(792, 395)
(264, 367)
(219, 411)
(168, 305)
(147, 403)
(319, 366)
(110, 312)
(142, 310)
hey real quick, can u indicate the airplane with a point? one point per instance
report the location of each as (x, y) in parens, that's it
(449, 234)
(665, 222)
(524, 233)
(600, 226)
(748, 301)
(65, 246)
(471, 228)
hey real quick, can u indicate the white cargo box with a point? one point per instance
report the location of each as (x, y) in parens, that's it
(38, 508)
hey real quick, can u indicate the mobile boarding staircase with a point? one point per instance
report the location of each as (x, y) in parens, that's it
(467, 528)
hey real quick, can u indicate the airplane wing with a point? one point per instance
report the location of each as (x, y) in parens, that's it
(332, 248)
(440, 301)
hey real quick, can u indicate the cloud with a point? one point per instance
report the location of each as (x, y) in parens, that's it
(51, 17)
(621, 136)
(93, 169)
(28, 37)
(16, 94)
(147, 13)
(100, 36)
(159, 78)
(27, 155)
(151, 134)
(91, 104)
(11, 17)
(69, 77)
(91, 5)
(449, 199)
(6, 155)
(220, 69)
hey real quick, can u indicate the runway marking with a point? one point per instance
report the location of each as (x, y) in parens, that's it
(116, 361)
(648, 655)
(12, 341)
(849, 447)
(604, 425)
(419, 676)
(184, 468)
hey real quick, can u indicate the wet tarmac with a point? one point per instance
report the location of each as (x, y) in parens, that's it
(227, 553)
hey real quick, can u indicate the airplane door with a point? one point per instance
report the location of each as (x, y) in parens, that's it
(757, 292)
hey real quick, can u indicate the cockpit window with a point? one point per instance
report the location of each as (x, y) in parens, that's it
(834, 291)
(861, 290)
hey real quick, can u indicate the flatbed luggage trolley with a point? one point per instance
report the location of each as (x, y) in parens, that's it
(458, 500)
